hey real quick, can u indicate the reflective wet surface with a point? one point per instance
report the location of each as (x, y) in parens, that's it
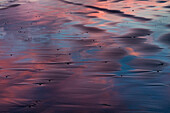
(89, 56)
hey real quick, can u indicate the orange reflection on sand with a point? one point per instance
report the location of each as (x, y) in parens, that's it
(132, 52)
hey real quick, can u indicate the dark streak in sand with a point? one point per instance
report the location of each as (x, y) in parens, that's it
(118, 12)
(165, 39)
(117, 1)
(89, 29)
(150, 64)
(168, 6)
(161, 1)
(137, 32)
(168, 25)
(11, 6)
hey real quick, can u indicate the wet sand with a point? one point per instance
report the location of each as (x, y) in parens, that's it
(89, 56)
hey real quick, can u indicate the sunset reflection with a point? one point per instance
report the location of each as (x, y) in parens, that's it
(72, 56)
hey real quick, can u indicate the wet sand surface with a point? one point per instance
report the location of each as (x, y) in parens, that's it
(89, 56)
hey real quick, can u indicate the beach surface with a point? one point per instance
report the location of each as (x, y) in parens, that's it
(84, 56)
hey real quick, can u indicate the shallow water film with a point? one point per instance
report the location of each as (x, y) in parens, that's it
(84, 56)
